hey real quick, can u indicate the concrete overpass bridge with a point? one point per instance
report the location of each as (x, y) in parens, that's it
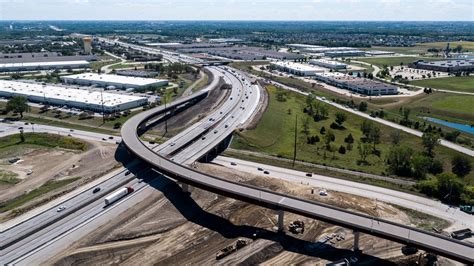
(177, 169)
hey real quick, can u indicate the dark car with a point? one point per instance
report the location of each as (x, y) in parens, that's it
(97, 189)
(309, 174)
(127, 173)
(260, 169)
(266, 172)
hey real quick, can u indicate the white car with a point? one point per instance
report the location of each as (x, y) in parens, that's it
(323, 193)
(29, 172)
(61, 208)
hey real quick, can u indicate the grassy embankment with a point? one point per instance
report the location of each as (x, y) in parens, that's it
(274, 135)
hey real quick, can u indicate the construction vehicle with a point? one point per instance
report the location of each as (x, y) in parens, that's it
(296, 227)
(231, 249)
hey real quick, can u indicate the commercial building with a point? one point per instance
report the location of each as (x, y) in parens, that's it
(33, 66)
(378, 53)
(303, 46)
(344, 53)
(445, 65)
(328, 63)
(296, 68)
(116, 81)
(359, 85)
(95, 101)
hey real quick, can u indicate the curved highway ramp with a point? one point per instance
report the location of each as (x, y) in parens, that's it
(431, 242)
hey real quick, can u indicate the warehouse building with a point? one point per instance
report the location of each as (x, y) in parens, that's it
(445, 65)
(95, 101)
(360, 85)
(34, 66)
(379, 53)
(116, 81)
(296, 68)
(344, 53)
(328, 64)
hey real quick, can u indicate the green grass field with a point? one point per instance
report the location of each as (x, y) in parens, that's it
(35, 193)
(393, 61)
(42, 140)
(465, 84)
(457, 103)
(274, 135)
(441, 45)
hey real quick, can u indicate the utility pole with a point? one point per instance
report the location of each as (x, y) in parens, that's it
(296, 136)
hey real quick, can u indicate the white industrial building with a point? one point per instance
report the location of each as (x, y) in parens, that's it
(331, 64)
(296, 68)
(378, 53)
(95, 101)
(119, 82)
(359, 85)
(344, 53)
(33, 66)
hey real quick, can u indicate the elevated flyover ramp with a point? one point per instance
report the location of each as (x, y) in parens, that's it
(431, 242)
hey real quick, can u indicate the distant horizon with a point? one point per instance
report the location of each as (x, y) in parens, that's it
(237, 10)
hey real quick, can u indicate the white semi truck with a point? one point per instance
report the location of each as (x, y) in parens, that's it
(118, 195)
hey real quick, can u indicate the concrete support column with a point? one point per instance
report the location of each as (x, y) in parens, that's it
(281, 224)
(356, 240)
(185, 187)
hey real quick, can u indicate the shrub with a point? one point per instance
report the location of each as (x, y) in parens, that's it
(342, 150)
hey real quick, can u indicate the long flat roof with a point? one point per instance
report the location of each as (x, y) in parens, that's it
(66, 93)
(329, 62)
(115, 79)
(298, 66)
(37, 64)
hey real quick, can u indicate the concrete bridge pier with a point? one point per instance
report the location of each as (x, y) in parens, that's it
(281, 224)
(356, 240)
(184, 187)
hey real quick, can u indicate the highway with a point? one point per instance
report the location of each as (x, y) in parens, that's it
(459, 219)
(48, 226)
(48, 240)
(425, 240)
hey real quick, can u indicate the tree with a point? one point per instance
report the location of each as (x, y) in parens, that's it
(117, 125)
(364, 151)
(374, 136)
(322, 131)
(342, 150)
(328, 138)
(17, 104)
(450, 188)
(349, 139)
(429, 140)
(363, 106)
(305, 125)
(461, 166)
(396, 137)
(421, 165)
(340, 118)
(366, 127)
(399, 160)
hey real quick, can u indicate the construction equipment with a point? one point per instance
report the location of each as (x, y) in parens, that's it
(296, 227)
(231, 248)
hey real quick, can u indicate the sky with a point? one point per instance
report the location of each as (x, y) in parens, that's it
(381, 10)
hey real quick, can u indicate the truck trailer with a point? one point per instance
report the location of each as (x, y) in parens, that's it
(118, 195)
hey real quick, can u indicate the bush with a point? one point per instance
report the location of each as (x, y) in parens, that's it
(460, 165)
(117, 125)
(349, 139)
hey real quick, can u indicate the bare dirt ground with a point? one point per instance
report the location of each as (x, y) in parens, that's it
(175, 228)
(57, 164)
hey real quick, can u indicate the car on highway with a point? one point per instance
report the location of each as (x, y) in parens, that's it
(26, 123)
(97, 189)
(72, 130)
(226, 126)
(203, 138)
(151, 142)
(69, 135)
(61, 208)
(140, 180)
(266, 172)
(172, 144)
(20, 128)
(233, 163)
(104, 139)
(127, 173)
(260, 169)
(215, 131)
(110, 137)
(309, 174)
